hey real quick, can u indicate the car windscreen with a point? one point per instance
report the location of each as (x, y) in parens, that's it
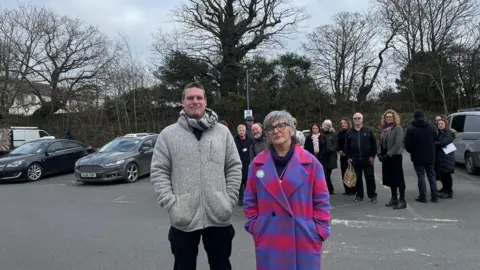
(31, 148)
(120, 145)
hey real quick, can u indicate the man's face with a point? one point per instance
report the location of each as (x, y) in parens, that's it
(358, 118)
(438, 118)
(194, 102)
(249, 122)
(241, 130)
(256, 131)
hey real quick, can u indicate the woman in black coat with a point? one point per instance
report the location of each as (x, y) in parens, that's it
(445, 162)
(345, 126)
(315, 142)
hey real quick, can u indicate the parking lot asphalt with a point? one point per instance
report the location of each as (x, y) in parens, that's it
(55, 224)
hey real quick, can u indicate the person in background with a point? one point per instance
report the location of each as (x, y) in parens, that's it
(437, 174)
(260, 142)
(445, 162)
(223, 122)
(68, 135)
(315, 142)
(243, 143)
(390, 155)
(361, 150)
(286, 201)
(330, 157)
(196, 179)
(299, 136)
(345, 124)
(420, 143)
(248, 123)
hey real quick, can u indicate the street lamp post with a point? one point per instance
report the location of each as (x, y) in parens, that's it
(248, 92)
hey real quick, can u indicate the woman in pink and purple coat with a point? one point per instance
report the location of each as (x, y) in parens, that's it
(286, 201)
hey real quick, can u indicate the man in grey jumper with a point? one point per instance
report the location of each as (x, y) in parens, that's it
(196, 172)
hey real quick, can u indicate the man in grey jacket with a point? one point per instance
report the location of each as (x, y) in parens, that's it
(196, 172)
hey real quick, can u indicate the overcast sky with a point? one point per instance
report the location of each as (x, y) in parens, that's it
(138, 19)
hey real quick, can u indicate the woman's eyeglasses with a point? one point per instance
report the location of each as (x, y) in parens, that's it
(279, 127)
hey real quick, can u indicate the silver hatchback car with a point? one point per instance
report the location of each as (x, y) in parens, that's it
(467, 124)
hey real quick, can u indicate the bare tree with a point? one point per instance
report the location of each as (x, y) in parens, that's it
(427, 25)
(18, 28)
(342, 51)
(61, 52)
(223, 32)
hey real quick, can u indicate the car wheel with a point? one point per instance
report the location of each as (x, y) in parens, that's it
(470, 164)
(132, 173)
(34, 172)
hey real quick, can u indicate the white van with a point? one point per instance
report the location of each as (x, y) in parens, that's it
(15, 136)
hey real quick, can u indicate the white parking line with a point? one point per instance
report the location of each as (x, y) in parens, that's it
(387, 225)
(414, 219)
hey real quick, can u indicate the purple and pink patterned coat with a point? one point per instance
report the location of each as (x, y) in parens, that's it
(288, 220)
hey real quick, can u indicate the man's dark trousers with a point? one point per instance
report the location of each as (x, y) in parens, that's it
(363, 166)
(216, 240)
(422, 187)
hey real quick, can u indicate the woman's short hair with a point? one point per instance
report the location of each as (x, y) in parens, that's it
(327, 123)
(279, 115)
(396, 116)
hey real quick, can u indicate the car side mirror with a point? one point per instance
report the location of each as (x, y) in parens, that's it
(145, 149)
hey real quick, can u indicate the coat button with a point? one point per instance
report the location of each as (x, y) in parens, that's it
(274, 214)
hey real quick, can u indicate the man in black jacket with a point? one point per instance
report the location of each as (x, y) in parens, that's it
(420, 143)
(361, 149)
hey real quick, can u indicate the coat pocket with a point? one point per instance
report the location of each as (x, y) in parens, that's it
(259, 228)
(219, 207)
(216, 153)
(317, 239)
(183, 211)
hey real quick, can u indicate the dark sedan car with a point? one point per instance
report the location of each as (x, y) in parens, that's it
(125, 158)
(35, 159)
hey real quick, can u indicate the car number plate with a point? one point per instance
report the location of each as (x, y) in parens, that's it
(89, 175)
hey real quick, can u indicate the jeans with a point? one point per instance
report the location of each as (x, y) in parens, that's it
(422, 187)
(216, 240)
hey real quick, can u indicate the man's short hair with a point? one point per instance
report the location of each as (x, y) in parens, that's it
(193, 85)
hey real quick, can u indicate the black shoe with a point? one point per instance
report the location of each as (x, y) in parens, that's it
(392, 202)
(441, 190)
(421, 199)
(434, 199)
(332, 193)
(373, 200)
(445, 195)
(240, 203)
(345, 193)
(402, 204)
(358, 199)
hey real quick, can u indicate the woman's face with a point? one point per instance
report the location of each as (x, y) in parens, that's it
(326, 128)
(279, 132)
(389, 118)
(344, 124)
(441, 125)
(315, 129)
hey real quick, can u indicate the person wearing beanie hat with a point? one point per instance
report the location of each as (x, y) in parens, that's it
(420, 143)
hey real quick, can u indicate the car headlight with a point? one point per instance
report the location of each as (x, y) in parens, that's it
(77, 162)
(115, 163)
(15, 163)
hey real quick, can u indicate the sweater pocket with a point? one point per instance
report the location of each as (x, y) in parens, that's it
(183, 211)
(219, 208)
